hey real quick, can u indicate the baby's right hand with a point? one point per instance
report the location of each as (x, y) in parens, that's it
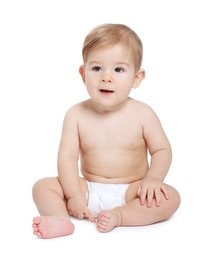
(77, 207)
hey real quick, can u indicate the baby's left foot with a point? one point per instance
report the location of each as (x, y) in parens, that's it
(107, 220)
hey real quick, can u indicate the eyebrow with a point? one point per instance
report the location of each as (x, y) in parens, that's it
(117, 63)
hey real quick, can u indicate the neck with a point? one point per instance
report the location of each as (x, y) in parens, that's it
(108, 109)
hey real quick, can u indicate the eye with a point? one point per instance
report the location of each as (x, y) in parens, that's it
(119, 69)
(96, 68)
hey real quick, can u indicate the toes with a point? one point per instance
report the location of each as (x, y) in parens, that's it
(103, 218)
(101, 226)
(34, 225)
(38, 234)
(36, 220)
(104, 222)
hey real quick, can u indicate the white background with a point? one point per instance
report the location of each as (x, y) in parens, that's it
(40, 53)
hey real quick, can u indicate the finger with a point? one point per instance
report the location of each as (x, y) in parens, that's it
(91, 218)
(143, 195)
(140, 196)
(89, 215)
(72, 214)
(80, 215)
(165, 192)
(139, 191)
(157, 197)
(149, 197)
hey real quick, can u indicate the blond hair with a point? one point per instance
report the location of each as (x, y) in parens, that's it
(110, 34)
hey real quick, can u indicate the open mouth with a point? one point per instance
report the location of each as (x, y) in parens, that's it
(106, 91)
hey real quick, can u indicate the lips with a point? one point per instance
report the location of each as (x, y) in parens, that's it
(106, 91)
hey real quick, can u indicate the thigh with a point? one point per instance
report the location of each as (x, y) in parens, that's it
(44, 185)
(172, 202)
(53, 183)
(131, 193)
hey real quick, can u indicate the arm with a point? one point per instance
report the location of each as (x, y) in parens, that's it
(68, 173)
(161, 156)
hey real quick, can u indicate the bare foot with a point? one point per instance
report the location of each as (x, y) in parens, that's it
(107, 220)
(51, 226)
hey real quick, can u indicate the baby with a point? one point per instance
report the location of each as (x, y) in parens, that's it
(113, 135)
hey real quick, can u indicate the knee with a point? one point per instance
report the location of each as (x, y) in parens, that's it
(173, 202)
(41, 185)
(176, 199)
(37, 186)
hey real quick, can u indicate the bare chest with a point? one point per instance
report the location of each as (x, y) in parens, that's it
(120, 133)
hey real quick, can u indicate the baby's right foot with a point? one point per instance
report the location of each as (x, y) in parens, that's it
(52, 226)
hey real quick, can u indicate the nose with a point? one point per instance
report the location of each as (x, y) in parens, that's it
(106, 78)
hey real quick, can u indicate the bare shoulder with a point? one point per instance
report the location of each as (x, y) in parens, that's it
(142, 108)
(76, 110)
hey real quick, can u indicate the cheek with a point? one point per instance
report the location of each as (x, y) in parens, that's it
(89, 79)
(126, 85)
(123, 92)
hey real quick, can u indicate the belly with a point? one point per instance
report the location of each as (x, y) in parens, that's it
(114, 167)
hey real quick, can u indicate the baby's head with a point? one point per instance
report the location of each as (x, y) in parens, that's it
(107, 35)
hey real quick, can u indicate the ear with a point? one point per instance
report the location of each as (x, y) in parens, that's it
(82, 72)
(140, 75)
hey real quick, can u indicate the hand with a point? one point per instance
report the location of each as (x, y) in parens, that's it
(152, 188)
(77, 207)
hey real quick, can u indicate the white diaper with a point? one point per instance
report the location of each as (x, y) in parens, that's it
(103, 196)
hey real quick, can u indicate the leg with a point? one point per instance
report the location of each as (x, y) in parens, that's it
(135, 214)
(49, 199)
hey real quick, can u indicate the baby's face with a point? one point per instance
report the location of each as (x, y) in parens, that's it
(109, 75)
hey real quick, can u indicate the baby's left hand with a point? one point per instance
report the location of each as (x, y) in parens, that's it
(151, 189)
